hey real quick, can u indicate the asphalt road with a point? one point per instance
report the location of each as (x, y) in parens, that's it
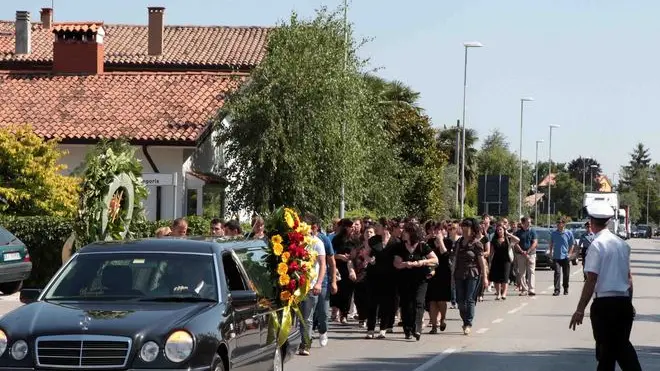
(521, 333)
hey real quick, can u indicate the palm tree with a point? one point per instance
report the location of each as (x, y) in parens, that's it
(393, 93)
(447, 142)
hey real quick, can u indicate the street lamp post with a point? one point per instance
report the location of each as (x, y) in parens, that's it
(467, 45)
(520, 181)
(342, 194)
(536, 188)
(584, 174)
(648, 194)
(550, 170)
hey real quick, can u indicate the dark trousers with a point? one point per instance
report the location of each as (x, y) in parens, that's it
(611, 320)
(413, 298)
(563, 269)
(361, 298)
(466, 295)
(342, 299)
(382, 303)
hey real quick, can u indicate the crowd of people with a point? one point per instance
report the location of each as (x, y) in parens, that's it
(387, 273)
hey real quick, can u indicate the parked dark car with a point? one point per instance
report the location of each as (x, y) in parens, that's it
(15, 264)
(151, 304)
(644, 231)
(543, 259)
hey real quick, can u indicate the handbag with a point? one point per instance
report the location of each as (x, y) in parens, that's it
(510, 250)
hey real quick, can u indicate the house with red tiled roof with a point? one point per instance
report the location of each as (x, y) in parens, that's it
(158, 86)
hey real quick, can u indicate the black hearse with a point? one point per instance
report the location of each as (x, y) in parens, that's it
(169, 303)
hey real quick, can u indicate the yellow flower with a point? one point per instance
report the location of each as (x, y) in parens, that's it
(276, 239)
(284, 279)
(308, 240)
(285, 295)
(277, 249)
(282, 268)
(285, 257)
(289, 220)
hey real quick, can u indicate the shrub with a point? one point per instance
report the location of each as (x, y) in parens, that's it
(44, 237)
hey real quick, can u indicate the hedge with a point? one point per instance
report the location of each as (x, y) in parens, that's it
(44, 237)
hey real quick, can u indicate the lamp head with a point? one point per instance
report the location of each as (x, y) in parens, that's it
(473, 44)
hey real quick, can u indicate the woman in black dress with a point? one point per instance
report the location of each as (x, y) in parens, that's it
(381, 280)
(414, 259)
(501, 261)
(343, 245)
(438, 292)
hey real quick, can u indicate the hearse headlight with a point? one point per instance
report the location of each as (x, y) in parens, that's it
(3, 342)
(179, 346)
(19, 350)
(149, 351)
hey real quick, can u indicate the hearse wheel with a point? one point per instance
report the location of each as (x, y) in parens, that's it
(9, 288)
(218, 363)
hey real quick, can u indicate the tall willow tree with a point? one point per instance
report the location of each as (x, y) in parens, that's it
(303, 123)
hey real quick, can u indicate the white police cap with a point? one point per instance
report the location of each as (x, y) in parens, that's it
(600, 210)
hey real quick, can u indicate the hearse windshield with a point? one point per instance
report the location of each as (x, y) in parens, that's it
(139, 276)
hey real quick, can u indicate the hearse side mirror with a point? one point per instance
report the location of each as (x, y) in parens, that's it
(29, 295)
(242, 298)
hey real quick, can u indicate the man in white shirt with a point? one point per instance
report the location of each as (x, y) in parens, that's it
(309, 305)
(609, 277)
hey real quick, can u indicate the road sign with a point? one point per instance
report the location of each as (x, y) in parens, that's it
(159, 179)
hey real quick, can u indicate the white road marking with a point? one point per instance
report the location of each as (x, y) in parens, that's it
(551, 287)
(482, 330)
(533, 297)
(544, 292)
(499, 320)
(426, 366)
(574, 273)
(514, 310)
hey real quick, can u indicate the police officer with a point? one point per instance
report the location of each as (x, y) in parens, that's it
(609, 278)
(584, 243)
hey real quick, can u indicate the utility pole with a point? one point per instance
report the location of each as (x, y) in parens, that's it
(457, 158)
(342, 195)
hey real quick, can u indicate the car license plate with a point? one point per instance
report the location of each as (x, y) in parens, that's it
(12, 256)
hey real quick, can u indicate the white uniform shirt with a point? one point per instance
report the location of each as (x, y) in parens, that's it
(319, 247)
(609, 258)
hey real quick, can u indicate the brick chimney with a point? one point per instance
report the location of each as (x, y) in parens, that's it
(23, 32)
(78, 48)
(156, 30)
(46, 18)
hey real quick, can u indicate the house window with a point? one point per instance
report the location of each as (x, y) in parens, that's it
(191, 202)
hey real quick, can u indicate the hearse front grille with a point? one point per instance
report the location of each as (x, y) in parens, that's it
(82, 351)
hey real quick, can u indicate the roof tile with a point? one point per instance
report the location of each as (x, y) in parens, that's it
(147, 106)
(191, 46)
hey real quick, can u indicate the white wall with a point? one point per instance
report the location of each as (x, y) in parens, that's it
(166, 159)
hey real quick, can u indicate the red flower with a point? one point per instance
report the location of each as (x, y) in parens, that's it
(292, 285)
(296, 238)
(302, 281)
(304, 269)
(293, 267)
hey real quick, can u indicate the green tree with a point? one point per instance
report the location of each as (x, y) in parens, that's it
(582, 171)
(31, 182)
(423, 185)
(567, 195)
(638, 167)
(304, 123)
(631, 199)
(495, 158)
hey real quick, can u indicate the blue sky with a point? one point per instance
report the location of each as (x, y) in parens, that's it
(592, 66)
